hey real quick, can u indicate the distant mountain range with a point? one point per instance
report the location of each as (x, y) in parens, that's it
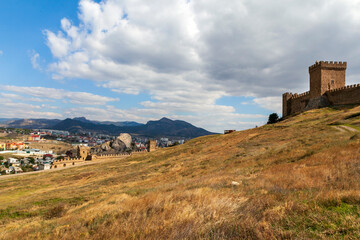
(162, 128)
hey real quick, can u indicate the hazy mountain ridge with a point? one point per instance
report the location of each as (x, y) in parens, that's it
(29, 123)
(162, 128)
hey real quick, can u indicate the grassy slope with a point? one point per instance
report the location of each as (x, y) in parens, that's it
(298, 179)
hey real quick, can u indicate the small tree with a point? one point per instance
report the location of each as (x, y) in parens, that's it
(31, 160)
(273, 118)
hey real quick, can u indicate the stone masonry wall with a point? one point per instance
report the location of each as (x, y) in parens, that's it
(346, 95)
(297, 103)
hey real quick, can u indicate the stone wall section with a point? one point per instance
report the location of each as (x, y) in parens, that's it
(346, 95)
(294, 103)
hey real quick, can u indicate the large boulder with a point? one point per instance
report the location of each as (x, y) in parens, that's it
(118, 145)
(105, 146)
(125, 138)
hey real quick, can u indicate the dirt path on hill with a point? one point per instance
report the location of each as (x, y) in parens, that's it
(350, 128)
(345, 129)
(340, 129)
(45, 171)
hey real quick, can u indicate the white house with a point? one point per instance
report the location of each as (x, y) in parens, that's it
(45, 166)
(15, 170)
(13, 161)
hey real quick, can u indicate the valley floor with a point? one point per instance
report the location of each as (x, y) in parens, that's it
(298, 179)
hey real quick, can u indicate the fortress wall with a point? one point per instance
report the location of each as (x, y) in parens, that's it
(345, 95)
(107, 156)
(67, 159)
(110, 156)
(298, 102)
(66, 162)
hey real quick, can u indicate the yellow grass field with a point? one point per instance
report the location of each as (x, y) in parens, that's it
(298, 179)
(51, 145)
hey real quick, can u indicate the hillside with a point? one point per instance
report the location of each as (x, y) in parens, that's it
(297, 179)
(28, 123)
(162, 128)
(49, 123)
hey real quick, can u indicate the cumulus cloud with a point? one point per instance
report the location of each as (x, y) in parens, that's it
(12, 109)
(23, 98)
(188, 54)
(35, 60)
(82, 98)
(270, 103)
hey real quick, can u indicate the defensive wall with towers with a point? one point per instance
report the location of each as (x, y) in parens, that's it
(327, 88)
(83, 155)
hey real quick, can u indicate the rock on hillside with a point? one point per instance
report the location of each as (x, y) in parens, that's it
(120, 145)
(125, 138)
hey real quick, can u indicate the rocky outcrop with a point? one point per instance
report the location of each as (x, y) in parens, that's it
(318, 102)
(125, 138)
(119, 145)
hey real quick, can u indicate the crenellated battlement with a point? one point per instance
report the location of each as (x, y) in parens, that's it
(295, 95)
(68, 159)
(346, 87)
(328, 65)
(118, 155)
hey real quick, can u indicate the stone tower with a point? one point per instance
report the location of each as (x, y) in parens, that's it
(83, 153)
(286, 104)
(151, 145)
(325, 76)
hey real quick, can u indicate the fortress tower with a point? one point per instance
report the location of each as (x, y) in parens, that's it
(327, 88)
(151, 145)
(325, 76)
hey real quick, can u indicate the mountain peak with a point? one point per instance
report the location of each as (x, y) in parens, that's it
(80, 118)
(164, 119)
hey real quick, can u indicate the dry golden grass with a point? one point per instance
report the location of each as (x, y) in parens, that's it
(51, 145)
(299, 179)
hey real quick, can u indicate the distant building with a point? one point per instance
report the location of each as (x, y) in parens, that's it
(15, 169)
(34, 138)
(229, 131)
(45, 166)
(12, 161)
(15, 146)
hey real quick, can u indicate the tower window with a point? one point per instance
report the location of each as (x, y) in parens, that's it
(332, 82)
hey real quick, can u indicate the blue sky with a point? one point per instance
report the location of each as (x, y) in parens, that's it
(216, 65)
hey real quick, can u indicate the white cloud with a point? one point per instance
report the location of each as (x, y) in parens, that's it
(18, 97)
(187, 55)
(1, 52)
(271, 103)
(34, 60)
(11, 109)
(82, 98)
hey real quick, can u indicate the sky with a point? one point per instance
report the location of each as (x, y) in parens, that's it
(216, 64)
